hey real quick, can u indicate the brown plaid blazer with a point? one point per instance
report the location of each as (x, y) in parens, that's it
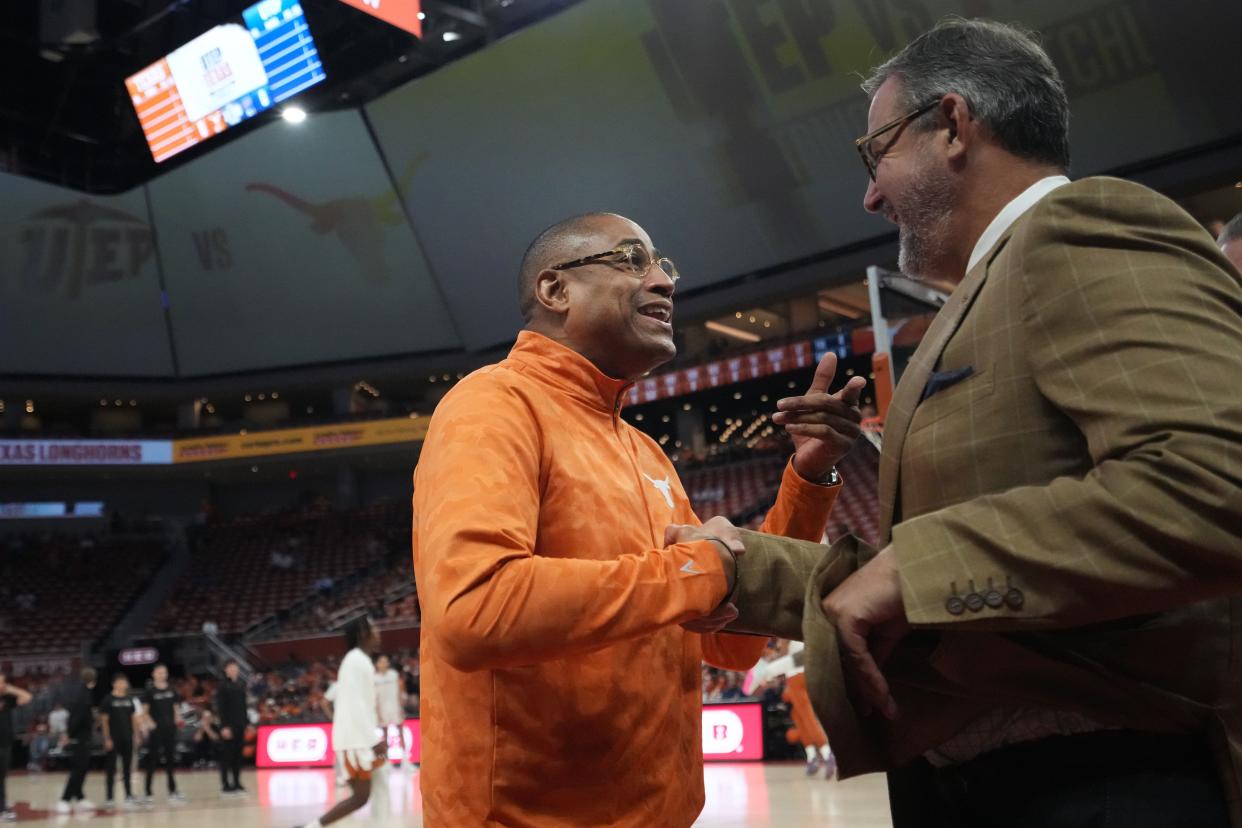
(1067, 519)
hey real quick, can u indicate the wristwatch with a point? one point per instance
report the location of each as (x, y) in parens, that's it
(832, 478)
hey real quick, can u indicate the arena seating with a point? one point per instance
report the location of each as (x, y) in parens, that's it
(743, 488)
(58, 592)
(735, 489)
(857, 507)
(388, 588)
(338, 562)
(234, 579)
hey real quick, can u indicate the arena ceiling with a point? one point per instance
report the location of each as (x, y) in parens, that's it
(65, 114)
(388, 226)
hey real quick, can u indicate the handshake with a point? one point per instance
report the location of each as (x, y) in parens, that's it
(729, 547)
(866, 608)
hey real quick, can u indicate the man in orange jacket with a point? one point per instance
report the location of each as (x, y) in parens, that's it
(560, 666)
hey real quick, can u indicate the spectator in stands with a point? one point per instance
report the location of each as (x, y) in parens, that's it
(533, 512)
(38, 742)
(57, 723)
(1230, 241)
(78, 739)
(231, 708)
(207, 739)
(11, 697)
(732, 690)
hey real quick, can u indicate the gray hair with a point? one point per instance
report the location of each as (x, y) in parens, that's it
(1232, 231)
(1006, 77)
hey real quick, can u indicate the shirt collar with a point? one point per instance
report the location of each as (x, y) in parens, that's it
(1011, 213)
(568, 370)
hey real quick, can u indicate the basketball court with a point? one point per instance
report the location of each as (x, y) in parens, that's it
(738, 794)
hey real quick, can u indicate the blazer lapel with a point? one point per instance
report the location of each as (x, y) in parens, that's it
(909, 390)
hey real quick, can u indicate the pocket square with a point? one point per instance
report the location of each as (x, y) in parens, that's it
(940, 380)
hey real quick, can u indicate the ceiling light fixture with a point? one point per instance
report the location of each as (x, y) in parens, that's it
(744, 336)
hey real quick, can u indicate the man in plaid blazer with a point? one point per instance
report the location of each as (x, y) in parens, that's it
(1049, 635)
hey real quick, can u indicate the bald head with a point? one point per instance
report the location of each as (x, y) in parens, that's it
(562, 242)
(614, 312)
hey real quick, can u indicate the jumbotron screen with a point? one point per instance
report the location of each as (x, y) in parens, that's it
(224, 76)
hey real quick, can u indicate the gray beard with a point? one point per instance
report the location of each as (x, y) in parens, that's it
(925, 219)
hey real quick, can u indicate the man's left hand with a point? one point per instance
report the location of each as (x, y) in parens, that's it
(870, 618)
(823, 426)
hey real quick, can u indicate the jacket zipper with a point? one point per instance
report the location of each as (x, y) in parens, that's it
(630, 453)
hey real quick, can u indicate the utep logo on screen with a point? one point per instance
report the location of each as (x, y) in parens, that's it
(297, 744)
(67, 248)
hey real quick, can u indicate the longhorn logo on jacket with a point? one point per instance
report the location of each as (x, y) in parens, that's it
(664, 487)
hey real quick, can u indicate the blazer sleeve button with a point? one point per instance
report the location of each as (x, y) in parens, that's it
(1014, 599)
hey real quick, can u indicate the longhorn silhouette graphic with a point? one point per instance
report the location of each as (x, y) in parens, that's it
(357, 221)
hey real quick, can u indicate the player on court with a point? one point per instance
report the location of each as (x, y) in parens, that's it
(329, 699)
(78, 743)
(11, 697)
(810, 731)
(117, 713)
(355, 720)
(231, 708)
(160, 711)
(388, 696)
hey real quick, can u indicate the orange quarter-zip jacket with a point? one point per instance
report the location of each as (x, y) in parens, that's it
(558, 688)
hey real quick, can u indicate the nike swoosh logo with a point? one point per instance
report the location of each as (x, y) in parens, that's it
(690, 569)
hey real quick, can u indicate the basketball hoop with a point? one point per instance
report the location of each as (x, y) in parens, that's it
(873, 430)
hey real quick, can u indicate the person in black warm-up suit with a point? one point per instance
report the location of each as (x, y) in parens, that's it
(78, 739)
(231, 708)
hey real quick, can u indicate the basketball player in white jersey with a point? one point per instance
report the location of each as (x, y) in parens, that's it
(355, 720)
(390, 700)
(329, 698)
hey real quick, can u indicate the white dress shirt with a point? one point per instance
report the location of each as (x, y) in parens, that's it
(1011, 213)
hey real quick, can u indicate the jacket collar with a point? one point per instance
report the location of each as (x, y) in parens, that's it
(567, 370)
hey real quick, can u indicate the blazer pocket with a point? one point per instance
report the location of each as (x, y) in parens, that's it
(973, 390)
